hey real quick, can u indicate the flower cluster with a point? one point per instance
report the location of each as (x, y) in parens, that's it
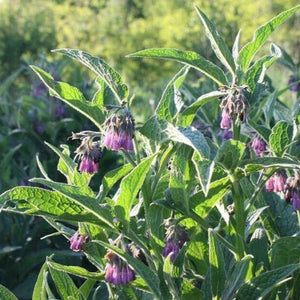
(117, 271)
(119, 131)
(89, 153)
(258, 145)
(292, 191)
(175, 238)
(77, 240)
(276, 183)
(234, 106)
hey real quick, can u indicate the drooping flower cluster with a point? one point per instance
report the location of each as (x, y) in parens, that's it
(89, 154)
(117, 271)
(276, 183)
(175, 238)
(119, 131)
(77, 240)
(258, 145)
(292, 191)
(234, 106)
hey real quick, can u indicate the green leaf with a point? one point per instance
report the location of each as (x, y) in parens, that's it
(281, 137)
(140, 268)
(102, 69)
(189, 136)
(189, 113)
(64, 284)
(189, 58)
(254, 165)
(217, 266)
(263, 131)
(41, 202)
(166, 107)
(242, 271)
(86, 288)
(39, 292)
(130, 186)
(260, 36)
(112, 177)
(89, 204)
(257, 72)
(285, 251)
(189, 292)
(72, 96)
(230, 153)
(153, 129)
(76, 270)
(217, 43)
(260, 286)
(6, 294)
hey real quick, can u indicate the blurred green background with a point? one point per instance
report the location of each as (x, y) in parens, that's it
(109, 29)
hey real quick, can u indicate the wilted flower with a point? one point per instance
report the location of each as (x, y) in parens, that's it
(89, 153)
(258, 145)
(119, 132)
(117, 271)
(77, 240)
(175, 238)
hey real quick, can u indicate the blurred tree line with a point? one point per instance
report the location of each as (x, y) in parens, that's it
(112, 29)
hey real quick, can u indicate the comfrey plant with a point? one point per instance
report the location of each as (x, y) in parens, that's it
(188, 215)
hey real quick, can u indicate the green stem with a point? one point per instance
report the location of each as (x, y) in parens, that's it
(128, 157)
(238, 200)
(236, 130)
(137, 152)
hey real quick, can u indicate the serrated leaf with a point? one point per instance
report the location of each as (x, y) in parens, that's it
(189, 58)
(102, 69)
(130, 186)
(281, 137)
(189, 136)
(39, 292)
(41, 202)
(260, 36)
(76, 270)
(6, 294)
(189, 113)
(254, 165)
(64, 284)
(260, 286)
(166, 107)
(241, 272)
(153, 130)
(72, 96)
(140, 268)
(217, 43)
(285, 251)
(230, 153)
(217, 266)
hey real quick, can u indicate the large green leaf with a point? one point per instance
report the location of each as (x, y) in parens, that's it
(217, 266)
(166, 107)
(285, 251)
(130, 186)
(39, 292)
(150, 277)
(42, 202)
(72, 96)
(6, 294)
(260, 36)
(65, 285)
(260, 286)
(189, 113)
(102, 69)
(190, 58)
(281, 137)
(217, 43)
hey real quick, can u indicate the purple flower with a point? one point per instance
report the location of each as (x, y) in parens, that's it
(276, 183)
(227, 135)
(88, 166)
(269, 185)
(77, 240)
(295, 87)
(296, 201)
(226, 121)
(117, 271)
(172, 246)
(258, 145)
